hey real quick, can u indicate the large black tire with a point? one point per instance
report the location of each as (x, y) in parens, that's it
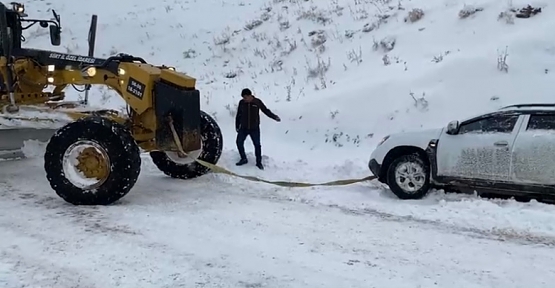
(118, 144)
(212, 146)
(402, 193)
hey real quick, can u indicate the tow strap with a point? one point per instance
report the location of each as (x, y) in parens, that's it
(221, 170)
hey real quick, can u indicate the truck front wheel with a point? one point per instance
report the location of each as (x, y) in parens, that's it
(408, 177)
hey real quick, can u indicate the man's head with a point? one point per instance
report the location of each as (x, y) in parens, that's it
(247, 95)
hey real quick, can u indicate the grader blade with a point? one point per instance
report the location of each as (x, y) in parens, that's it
(27, 124)
(14, 139)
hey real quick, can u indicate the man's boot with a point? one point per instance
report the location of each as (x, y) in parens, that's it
(260, 166)
(243, 161)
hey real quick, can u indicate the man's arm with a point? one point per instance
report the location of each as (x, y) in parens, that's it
(267, 111)
(238, 115)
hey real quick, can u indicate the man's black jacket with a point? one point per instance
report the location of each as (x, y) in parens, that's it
(248, 115)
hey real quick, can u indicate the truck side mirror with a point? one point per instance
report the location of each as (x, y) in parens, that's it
(55, 35)
(453, 127)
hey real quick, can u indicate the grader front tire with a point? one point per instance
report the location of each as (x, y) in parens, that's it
(104, 168)
(187, 168)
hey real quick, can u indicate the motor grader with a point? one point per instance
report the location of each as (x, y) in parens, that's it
(93, 155)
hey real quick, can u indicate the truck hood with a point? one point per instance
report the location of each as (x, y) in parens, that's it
(419, 138)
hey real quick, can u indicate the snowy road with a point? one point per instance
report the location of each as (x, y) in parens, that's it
(213, 232)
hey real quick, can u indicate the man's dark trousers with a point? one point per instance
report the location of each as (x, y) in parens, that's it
(255, 137)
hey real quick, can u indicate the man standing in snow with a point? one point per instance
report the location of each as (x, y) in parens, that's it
(247, 123)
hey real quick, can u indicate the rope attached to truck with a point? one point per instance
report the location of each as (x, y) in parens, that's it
(221, 170)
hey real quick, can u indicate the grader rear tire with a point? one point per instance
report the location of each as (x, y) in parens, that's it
(111, 163)
(187, 168)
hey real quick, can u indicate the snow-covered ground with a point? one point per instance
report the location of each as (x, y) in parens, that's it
(217, 231)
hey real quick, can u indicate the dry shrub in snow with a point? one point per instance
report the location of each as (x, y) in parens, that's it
(421, 103)
(284, 25)
(317, 39)
(291, 46)
(276, 65)
(369, 27)
(354, 56)
(414, 15)
(386, 44)
(527, 12)
(222, 40)
(469, 10)
(231, 74)
(314, 14)
(318, 70)
(266, 15)
(506, 16)
(253, 24)
(502, 60)
(385, 60)
(189, 54)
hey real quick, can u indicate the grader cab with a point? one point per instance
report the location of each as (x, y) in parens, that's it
(93, 155)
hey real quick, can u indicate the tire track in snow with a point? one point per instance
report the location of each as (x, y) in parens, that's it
(500, 234)
(21, 267)
(207, 270)
(89, 222)
(90, 217)
(100, 225)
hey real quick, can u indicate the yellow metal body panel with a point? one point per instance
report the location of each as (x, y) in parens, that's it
(32, 80)
(178, 78)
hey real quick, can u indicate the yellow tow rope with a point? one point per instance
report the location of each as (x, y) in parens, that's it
(221, 170)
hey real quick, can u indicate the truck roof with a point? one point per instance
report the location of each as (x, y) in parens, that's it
(529, 106)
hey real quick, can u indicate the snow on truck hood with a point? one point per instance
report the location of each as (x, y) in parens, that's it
(427, 133)
(418, 138)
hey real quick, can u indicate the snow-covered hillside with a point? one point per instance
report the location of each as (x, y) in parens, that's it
(341, 74)
(323, 65)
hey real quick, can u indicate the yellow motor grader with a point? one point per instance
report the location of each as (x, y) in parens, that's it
(93, 155)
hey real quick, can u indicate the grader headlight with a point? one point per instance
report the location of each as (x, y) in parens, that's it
(18, 7)
(50, 73)
(121, 71)
(88, 72)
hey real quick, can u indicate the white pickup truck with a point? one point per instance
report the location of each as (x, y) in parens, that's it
(508, 152)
